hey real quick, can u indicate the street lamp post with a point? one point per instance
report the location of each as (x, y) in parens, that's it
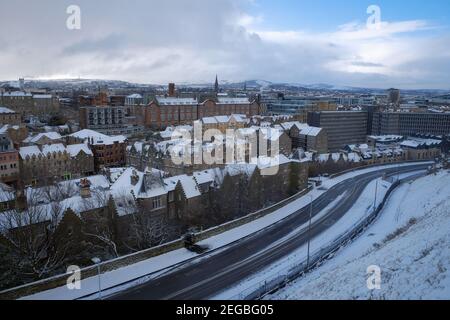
(97, 261)
(376, 191)
(309, 231)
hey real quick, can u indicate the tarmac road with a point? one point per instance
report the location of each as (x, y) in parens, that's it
(211, 275)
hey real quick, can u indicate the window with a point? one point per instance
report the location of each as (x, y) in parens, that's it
(156, 203)
(171, 196)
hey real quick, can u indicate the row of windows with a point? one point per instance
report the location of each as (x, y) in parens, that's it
(105, 147)
(108, 154)
(11, 166)
(111, 161)
(10, 117)
(5, 158)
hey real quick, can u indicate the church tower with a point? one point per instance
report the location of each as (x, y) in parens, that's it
(216, 85)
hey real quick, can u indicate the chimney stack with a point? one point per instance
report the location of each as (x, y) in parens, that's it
(171, 90)
(85, 188)
(134, 178)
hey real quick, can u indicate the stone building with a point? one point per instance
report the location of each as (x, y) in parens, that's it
(422, 149)
(43, 139)
(45, 104)
(192, 198)
(7, 197)
(17, 133)
(8, 116)
(224, 123)
(9, 160)
(275, 139)
(20, 102)
(306, 137)
(52, 163)
(26, 104)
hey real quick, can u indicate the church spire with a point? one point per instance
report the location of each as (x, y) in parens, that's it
(216, 85)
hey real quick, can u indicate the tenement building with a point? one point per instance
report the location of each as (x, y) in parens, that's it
(8, 116)
(342, 127)
(28, 104)
(411, 123)
(18, 101)
(41, 165)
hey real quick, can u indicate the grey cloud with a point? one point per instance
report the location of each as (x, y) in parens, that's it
(366, 64)
(108, 43)
(153, 41)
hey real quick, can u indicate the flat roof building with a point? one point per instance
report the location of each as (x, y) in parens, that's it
(342, 127)
(411, 123)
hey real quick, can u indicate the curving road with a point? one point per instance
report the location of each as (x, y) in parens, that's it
(210, 276)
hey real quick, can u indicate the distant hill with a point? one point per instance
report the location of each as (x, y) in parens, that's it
(256, 84)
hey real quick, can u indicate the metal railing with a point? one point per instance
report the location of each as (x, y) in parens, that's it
(280, 279)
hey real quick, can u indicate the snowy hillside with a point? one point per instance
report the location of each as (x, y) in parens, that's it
(410, 242)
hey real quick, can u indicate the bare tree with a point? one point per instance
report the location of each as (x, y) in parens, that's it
(31, 236)
(102, 220)
(146, 228)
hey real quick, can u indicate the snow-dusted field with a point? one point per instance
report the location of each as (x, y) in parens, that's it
(410, 242)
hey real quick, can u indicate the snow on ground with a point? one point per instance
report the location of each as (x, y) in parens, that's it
(410, 242)
(165, 261)
(360, 210)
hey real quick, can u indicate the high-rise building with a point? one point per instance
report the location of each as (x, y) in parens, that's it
(105, 119)
(411, 123)
(298, 106)
(393, 96)
(342, 127)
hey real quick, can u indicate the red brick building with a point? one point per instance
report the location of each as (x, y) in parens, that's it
(164, 112)
(101, 99)
(108, 151)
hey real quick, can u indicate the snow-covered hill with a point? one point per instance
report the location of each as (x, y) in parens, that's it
(410, 242)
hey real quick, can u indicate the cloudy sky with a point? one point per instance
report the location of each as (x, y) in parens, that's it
(156, 41)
